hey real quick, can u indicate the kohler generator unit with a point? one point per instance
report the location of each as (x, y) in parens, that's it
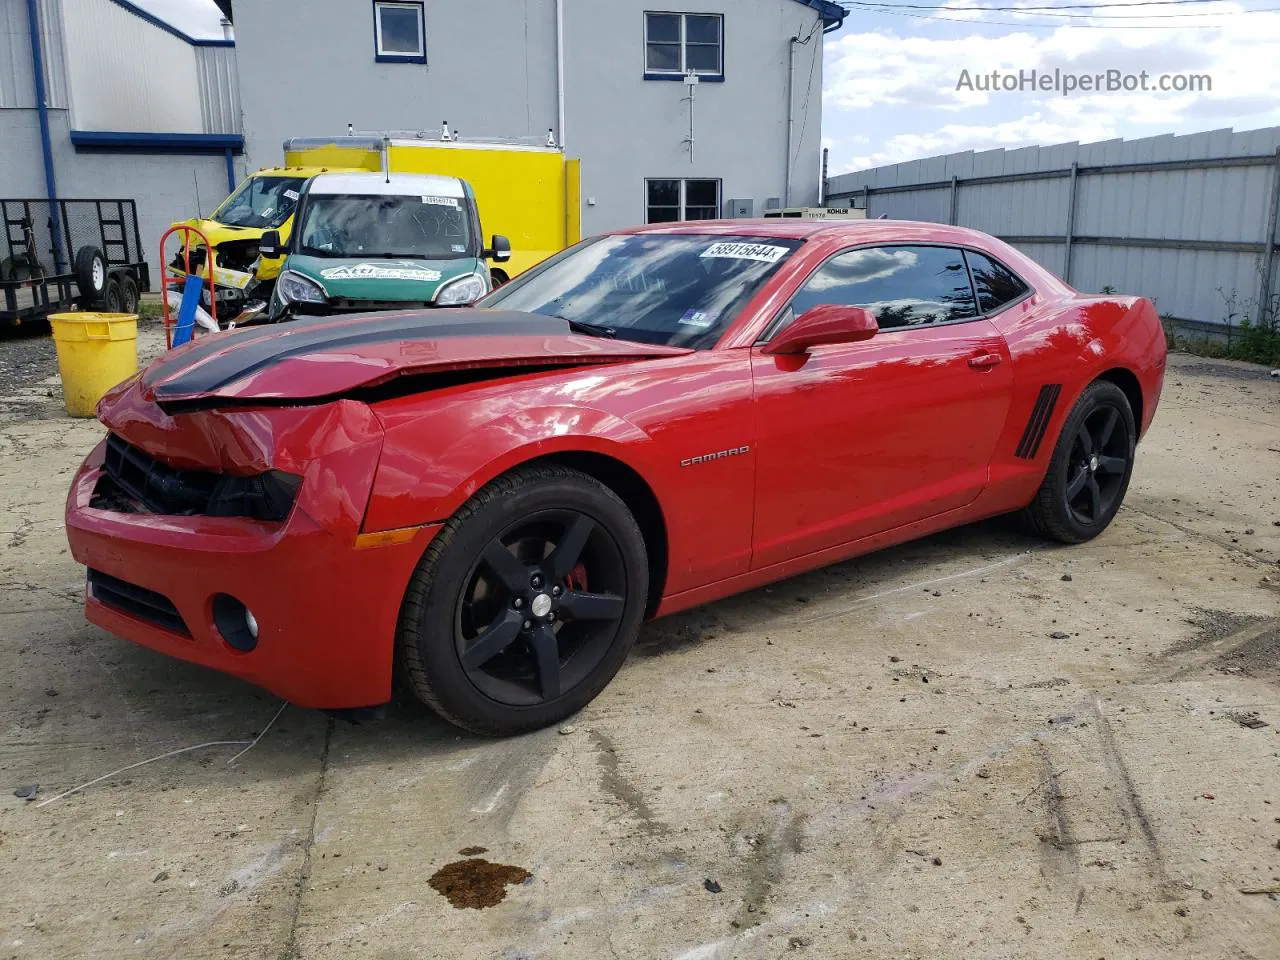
(818, 213)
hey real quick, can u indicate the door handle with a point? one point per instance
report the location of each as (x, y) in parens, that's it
(985, 361)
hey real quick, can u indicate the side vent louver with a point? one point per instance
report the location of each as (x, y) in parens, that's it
(1039, 422)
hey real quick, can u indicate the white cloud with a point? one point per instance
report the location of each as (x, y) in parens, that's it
(912, 80)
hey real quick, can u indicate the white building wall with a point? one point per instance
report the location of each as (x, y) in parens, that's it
(126, 74)
(491, 72)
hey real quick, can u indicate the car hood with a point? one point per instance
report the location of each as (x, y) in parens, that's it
(330, 358)
(381, 279)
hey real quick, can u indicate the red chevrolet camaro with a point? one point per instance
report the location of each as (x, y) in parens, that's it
(493, 499)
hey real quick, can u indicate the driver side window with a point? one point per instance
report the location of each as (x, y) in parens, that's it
(904, 286)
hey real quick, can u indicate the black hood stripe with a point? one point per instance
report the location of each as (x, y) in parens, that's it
(219, 361)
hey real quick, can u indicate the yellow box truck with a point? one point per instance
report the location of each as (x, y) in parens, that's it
(531, 194)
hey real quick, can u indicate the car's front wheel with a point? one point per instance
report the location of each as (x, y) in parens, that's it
(526, 603)
(1089, 472)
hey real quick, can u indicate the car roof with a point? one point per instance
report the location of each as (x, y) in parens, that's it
(397, 184)
(854, 231)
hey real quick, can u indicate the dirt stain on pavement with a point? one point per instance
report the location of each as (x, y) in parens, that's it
(1258, 657)
(476, 884)
(1213, 626)
(614, 783)
(766, 861)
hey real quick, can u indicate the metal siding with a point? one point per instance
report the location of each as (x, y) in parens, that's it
(219, 89)
(17, 87)
(1212, 203)
(127, 74)
(930, 205)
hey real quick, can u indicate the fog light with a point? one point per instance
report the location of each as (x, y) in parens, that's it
(239, 627)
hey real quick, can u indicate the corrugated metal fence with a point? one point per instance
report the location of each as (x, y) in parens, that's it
(1188, 221)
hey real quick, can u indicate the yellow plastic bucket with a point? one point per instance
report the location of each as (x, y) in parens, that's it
(95, 352)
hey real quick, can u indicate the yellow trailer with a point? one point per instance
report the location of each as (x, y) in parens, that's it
(530, 194)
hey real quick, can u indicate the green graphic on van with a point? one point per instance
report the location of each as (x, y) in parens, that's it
(376, 271)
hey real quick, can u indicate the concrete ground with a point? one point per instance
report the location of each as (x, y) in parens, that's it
(978, 745)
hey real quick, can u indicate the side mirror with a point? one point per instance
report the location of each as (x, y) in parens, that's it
(825, 323)
(269, 246)
(500, 251)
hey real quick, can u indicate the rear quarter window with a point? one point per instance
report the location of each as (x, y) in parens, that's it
(995, 284)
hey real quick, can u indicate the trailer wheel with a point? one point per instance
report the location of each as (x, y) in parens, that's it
(91, 273)
(113, 297)
(128, 294)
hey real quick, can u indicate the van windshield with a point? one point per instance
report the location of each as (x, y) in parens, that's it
(423, 228)
(263, 203)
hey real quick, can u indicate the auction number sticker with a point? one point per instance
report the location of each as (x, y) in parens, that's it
(441, 201)
(737, 250)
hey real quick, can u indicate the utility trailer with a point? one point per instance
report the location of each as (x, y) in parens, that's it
(77, 253)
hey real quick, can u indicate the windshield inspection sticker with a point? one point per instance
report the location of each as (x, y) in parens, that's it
(458, 248)
(441, 201)
(697, 318)
(291, 194)
(736, 250)
(376, 271)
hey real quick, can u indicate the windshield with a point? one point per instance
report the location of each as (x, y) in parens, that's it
(676, 290)
(424, 228)
(261, 202)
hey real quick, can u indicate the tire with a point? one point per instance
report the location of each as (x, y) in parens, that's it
(113, 297)
(497, 278)
(1065, 507)
(458, 597)
(128, 294)
(91, 273)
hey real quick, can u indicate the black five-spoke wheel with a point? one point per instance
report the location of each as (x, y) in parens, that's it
(526, 604)
(1098, 464)
(1089, 471)
(541, 609)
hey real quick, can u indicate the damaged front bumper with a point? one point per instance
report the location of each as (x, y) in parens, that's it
(322, 598)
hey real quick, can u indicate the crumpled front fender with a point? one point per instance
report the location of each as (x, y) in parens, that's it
(423, 479)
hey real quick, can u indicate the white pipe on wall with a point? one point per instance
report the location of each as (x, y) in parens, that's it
(560, 71)
(791, 117)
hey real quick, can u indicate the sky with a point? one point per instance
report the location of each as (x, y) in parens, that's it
(890, 78)
(891, 72)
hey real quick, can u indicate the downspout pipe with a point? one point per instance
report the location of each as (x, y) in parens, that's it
(560, 72)
(46, 141)
(791, 116)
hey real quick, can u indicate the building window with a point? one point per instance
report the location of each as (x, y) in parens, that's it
(677, 43)
(669, 201)
(399, 31)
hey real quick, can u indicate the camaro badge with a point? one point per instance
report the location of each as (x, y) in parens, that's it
(718, 455)
(376, 271)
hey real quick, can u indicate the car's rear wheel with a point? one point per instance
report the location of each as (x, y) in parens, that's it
(526, 604)
(1089, 472)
